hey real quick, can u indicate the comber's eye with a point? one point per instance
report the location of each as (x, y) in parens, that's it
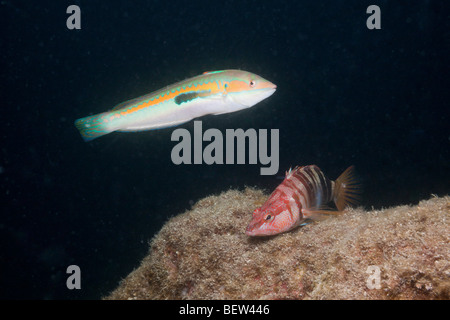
(252, 83)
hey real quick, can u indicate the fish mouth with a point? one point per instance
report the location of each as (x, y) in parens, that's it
(249, 99)
(271, 90)
(253, 233)
(256, 234)
(248, 231)
(266, 84)
(269, 87)
(262, 94)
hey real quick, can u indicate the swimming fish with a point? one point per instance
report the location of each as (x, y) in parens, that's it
(215, 92)
(301, 196)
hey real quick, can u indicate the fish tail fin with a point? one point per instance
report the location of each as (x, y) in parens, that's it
(93, 127)
(347, 190)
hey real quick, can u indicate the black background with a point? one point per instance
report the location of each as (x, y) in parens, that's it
(346, 95)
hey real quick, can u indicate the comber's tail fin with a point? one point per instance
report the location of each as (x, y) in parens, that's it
(92, 127)
(347, 191)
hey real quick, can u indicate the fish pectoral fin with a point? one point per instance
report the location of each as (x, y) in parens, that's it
(231, 106)
(319, 213)
(304, 224)
(219, 113)
(216, 96)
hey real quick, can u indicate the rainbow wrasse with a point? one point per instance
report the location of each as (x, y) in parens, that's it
(215, 92)
(303, 195)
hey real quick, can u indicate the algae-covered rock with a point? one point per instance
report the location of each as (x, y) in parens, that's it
(397, 253)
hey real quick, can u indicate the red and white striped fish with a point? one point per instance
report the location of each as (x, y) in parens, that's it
(301, 196)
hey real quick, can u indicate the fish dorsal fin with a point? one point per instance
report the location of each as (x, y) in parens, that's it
(212, 72)
(293, 171)
(124, 104)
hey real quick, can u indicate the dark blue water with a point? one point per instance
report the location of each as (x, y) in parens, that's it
(377, 99)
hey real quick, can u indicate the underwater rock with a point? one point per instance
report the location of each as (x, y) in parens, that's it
(396, 253)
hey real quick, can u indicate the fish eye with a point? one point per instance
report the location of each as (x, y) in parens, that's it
(226, 85)
(268, 217)
(252, 83)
